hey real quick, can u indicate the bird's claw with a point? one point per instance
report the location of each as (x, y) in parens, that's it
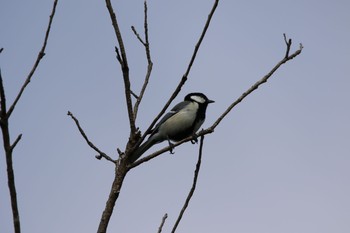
(171, 145)
(194, 139)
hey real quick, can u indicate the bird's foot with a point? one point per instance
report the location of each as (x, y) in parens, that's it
(194, 139)
(171, 145)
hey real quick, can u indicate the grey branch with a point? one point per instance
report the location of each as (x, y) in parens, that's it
(162, 223)
(41, 54)
(101, 154)
(257, 84)
(190, 194)
(223, 115)
(124, 66)
(16, 141)
(149, 60)
(184, 77)
(4, 122)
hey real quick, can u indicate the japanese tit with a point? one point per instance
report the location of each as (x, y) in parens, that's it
(181, 122)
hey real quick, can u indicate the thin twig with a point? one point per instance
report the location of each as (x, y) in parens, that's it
(119, 58)
(288, 44)
(4, 123)
(138, 35)
(124, 66)
(159, 152)
(149, 60)
(16, 141)
(162, 223)
(184, 77)
(223, 115)
(256, 85)
(190, 194)
(41, 54)
(101, 154)
(148, 53)
(133, 94)
(3, 116)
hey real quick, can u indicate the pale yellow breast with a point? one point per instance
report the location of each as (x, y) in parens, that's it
(180, 121)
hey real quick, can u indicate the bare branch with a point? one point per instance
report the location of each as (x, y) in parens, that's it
(223, 115)
(149, 60)
(256, 85)
(119, 58)
(133, 94)
(3, 116)
(41, 54)
(184, 77)
(288, 44)
(138, 35)
(162, 223)
(4, 123)
(124, 66)
(190, 194)
(16, 141)
(159, 152)
(148, 53)
(120, 173)
(101, 154)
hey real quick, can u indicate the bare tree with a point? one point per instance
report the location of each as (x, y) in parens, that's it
(5, 114)
(122, 164)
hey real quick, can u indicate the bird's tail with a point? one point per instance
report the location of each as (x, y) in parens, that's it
(142, 149)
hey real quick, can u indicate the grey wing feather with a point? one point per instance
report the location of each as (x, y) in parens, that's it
(172, 112)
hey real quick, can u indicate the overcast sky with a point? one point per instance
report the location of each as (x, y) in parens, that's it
(279, 162)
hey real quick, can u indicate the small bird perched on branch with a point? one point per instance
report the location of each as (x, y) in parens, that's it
(181, 122)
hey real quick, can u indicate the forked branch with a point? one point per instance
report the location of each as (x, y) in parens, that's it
(184, 77)
(124, 66)
(41, 54)
(101, 154)
(4, 123)
(223, 115)
(122, 165)
(149, 60)
(190, 194)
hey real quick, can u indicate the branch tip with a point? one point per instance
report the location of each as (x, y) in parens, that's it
(36, 63)
(288, 44)
(162, 223)
(133, 94)
(194, 184)
(16, 141)
(149, 60)
(119, 58)
(138, 36)
(184, 77)
(82, 132)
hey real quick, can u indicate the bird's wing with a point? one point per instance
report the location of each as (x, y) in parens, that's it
(152, 140)
(172, 112)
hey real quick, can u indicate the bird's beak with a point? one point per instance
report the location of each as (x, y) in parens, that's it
(211, 101)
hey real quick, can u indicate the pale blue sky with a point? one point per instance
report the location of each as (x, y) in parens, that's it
(278, 163)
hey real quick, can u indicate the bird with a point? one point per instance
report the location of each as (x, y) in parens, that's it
(182, 121)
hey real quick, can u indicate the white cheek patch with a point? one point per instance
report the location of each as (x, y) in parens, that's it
(198, 99)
